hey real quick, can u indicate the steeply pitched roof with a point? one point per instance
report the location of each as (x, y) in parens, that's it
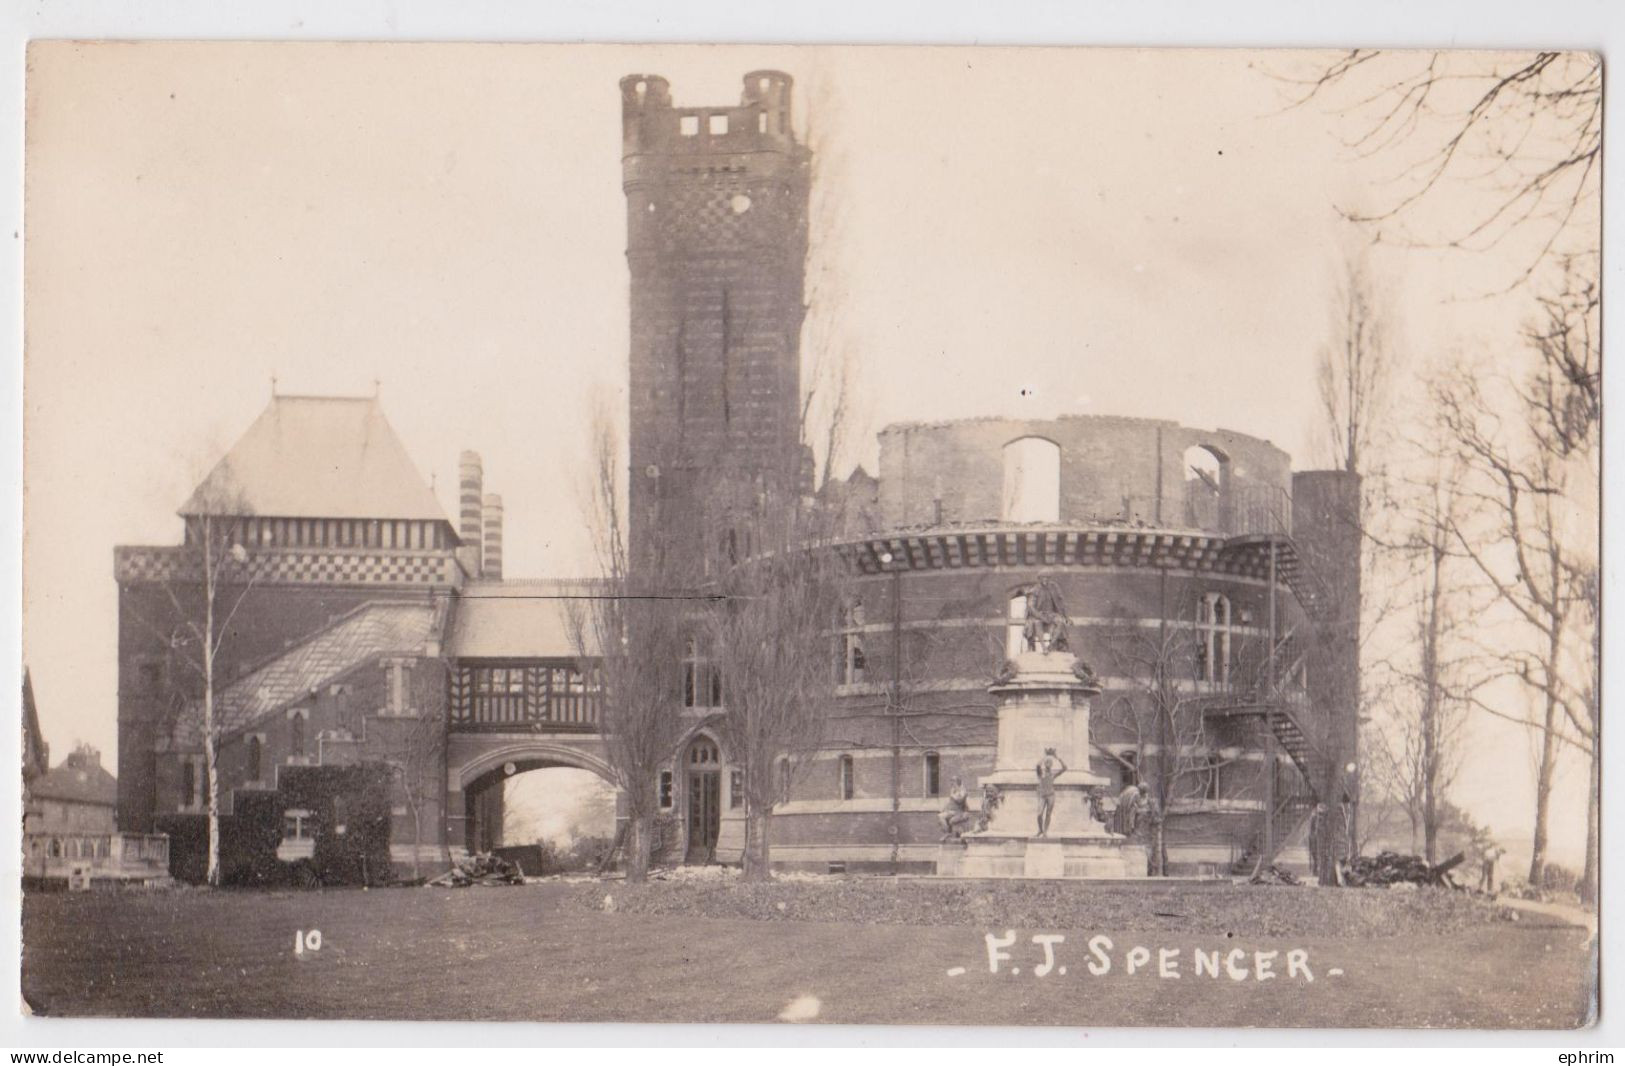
(369, 631)
(519, 620)
(317, 457)
(77, 781)
(36, 753)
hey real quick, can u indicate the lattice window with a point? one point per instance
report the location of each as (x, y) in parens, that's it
(702, 681)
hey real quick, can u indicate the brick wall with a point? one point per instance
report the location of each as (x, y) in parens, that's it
(155, 682)
(716, 240)
(1111, 470)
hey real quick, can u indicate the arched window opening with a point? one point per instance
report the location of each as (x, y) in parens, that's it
(1213, 633)
(256, 758)
(1032, 481)
(845, 776)
(1131, 766)
(1207, 481)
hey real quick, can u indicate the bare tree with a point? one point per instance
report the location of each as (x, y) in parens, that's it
(1531, 531)
(1524, 128)
(1354, 369)
(421, 756)
(634, 626)
(770, 638)
(1432, 708)
(212, 578)
(1163, 710)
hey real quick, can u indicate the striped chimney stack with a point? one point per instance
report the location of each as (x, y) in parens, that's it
(471, 522)
(493, 536)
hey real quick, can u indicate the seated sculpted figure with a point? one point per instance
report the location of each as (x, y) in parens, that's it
(956, 817)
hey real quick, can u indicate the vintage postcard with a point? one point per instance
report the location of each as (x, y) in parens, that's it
(946, 536)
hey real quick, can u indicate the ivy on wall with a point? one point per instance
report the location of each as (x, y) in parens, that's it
(349, 820)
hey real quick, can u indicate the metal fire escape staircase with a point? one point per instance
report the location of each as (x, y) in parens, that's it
(1271, 697)
(1270, 692)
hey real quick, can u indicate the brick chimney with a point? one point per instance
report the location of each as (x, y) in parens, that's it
(471, 523)
(493, 536)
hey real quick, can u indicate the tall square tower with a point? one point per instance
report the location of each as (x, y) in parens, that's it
(716, 205)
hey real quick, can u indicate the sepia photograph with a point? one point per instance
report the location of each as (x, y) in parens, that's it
(855, 535)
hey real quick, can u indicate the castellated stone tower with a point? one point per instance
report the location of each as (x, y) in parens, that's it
(716, 207)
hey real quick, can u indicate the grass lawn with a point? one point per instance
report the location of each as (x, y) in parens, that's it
(544, 953)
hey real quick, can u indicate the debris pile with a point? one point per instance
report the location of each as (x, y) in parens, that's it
(482, 869)
(1391, 868)
(1274, 875)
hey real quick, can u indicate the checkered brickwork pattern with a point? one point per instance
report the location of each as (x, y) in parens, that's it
(134, 566)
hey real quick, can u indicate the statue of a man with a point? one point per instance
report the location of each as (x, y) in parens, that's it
(1046, 622)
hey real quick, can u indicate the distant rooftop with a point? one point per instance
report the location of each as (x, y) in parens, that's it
(318, 457)
(79, 779)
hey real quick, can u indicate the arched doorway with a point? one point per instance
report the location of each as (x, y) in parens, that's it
(702, 770)
(479, 800)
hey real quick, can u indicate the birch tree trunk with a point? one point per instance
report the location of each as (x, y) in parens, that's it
(209, 740)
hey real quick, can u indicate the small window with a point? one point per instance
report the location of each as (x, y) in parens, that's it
(297, 721)
(851, 664)
(736, 789)
(845, 777)
(665, 790)
(296, 825)
(255, 760)
(933, 774)
(786, 777)
(716, 125)
(188, 782)
(761, 122)
(397, 686)
(689, 125)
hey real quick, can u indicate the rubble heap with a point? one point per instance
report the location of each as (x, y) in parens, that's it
(481, 869)
(1390, 868)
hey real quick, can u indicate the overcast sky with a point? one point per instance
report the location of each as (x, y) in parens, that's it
(1038, 231)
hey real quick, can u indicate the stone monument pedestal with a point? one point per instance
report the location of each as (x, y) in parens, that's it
(1044, 703)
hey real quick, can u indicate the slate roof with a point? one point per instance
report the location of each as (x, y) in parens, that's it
(78, 780)
(369, 631)
(318, 457)
(519, 620)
